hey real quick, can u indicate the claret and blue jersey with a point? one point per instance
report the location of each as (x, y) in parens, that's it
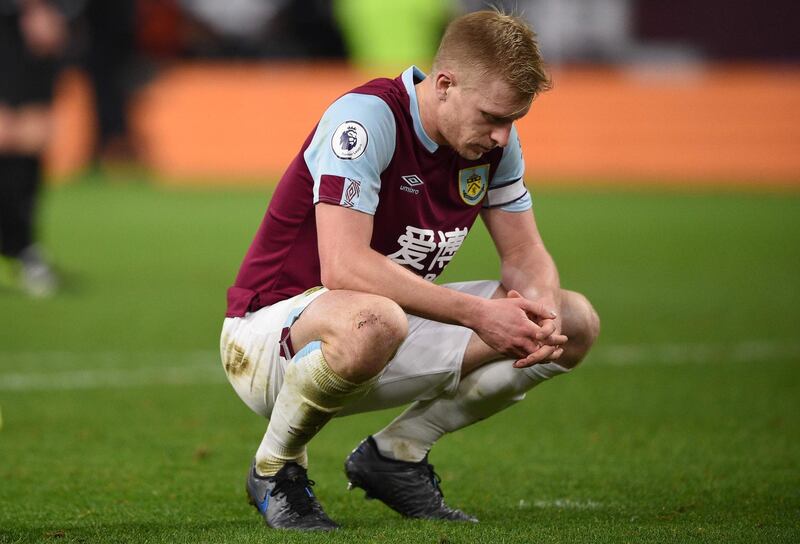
(369, 152)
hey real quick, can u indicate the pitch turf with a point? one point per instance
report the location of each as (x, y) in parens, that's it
(683, 425)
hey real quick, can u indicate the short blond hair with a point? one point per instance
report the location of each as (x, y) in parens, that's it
(495, 43)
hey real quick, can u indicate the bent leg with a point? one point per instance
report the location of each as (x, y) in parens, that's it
(485, 392)
(347, 338)
(489, 385)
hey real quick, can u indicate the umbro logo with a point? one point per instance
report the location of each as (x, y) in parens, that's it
(411, 183)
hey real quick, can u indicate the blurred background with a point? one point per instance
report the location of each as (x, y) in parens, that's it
(139, 144)
(645, 90)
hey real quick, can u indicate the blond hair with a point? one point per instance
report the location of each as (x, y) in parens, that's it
(495, 43)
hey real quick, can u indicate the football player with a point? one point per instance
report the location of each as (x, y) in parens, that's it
(334, 310)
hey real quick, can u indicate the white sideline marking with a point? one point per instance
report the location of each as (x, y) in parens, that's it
(63, 360)
(63, 370)
(563, 504)
(676, 354)
(109, 378)
(56, 370)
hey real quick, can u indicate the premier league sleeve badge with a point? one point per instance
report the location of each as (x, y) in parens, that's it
(349, 140)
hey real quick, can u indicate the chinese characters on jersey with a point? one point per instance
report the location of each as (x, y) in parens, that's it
(417, 245)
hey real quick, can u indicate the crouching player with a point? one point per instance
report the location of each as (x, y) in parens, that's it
(333, 311)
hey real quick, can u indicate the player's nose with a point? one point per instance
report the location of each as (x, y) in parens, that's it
(501, 134)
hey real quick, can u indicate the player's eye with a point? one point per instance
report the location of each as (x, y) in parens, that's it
(494, 120)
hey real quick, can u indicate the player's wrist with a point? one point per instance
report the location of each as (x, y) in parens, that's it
(473, 310)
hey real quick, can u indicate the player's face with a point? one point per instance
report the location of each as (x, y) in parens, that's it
(477, 117)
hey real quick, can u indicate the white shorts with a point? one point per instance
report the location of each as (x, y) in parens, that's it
(427, 364)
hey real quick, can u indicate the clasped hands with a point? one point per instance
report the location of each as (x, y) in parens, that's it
(527, 330)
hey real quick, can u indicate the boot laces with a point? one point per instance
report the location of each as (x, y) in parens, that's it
(298, 493)
(434, 478)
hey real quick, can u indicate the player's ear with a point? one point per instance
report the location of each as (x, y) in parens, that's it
(444, 80)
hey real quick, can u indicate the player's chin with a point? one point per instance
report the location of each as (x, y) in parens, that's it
(471, 153)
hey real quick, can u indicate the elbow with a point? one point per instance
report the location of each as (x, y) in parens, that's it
(344, 269)
(334, 275)
(328, 278)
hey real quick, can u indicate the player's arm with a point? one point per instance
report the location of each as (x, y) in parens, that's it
(348, 262)
(527, 268)
(526, 265)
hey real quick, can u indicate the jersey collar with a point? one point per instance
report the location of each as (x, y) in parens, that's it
(410, 76)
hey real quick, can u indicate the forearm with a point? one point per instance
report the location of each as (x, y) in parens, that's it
(371, 272)
(532, 272)
(347, 261)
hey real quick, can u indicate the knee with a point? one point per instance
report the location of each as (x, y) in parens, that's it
(584, 330)
(381, 323)
(591, 324)
(25, 130)
(371, 335)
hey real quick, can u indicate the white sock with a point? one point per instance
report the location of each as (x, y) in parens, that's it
(484, 392)
(310, 396)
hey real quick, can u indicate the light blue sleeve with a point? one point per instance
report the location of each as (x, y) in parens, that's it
(353, 144)
(507, 189)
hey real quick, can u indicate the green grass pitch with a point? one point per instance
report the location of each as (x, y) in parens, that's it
(682, 426)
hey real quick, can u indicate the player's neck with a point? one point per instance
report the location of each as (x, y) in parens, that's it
(428, 104)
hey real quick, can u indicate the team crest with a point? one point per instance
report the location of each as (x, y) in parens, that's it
(472, 183)
(349, 140)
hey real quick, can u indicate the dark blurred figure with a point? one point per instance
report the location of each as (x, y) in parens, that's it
(33, 37)
(107, 33)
